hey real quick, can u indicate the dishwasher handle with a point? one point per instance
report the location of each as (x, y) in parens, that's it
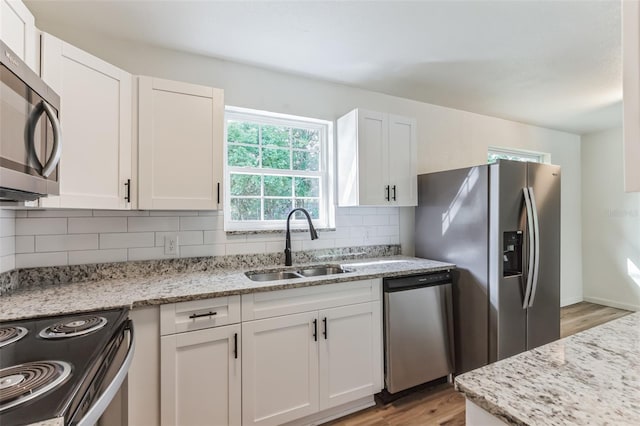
(416, 281)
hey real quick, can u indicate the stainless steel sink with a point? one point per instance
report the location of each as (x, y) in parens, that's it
(272, 276)
(322, 270)
(310, 271)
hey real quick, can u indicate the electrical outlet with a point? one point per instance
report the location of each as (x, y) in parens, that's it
(171, 244)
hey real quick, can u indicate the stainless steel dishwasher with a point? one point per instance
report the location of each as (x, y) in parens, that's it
(418, 329)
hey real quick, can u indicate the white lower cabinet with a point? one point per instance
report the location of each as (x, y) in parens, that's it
(200, 376)
(299, 364)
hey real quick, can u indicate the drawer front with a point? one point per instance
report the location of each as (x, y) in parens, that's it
(291, 301)
(199, 314)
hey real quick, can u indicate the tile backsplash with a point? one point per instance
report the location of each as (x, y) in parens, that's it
(34, 238)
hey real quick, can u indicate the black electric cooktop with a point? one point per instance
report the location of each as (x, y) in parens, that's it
(47, 365)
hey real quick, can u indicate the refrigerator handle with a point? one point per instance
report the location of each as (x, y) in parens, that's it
(531, 238)
(536, 235)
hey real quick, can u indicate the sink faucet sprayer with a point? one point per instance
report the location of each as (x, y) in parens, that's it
(287, 243)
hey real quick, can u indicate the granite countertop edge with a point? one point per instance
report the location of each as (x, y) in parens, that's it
(491, 407)
(182, 287)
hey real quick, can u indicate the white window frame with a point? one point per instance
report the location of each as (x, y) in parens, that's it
(326, 173)
(532, 156)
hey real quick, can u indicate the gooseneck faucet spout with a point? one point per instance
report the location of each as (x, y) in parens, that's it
(287, 243)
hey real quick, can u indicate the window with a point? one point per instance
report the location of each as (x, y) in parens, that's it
(275, 163)
(496, 154)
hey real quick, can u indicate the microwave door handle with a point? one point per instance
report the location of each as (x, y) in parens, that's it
(30, 131)
(536, 234)
(530, 236)
(53, 161)
(93, 414)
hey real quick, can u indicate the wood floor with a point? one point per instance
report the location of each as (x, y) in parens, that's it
(442, 405)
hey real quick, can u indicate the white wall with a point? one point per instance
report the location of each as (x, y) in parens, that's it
(68, 237)
(447, 138)
(610, 226)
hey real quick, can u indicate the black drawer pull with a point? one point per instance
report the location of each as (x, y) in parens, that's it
(194, 316)
(315, 330)
(325, 332)
(235, 345)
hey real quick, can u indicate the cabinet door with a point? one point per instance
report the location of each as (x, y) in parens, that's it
(95, 113)
(280, 369)
(350, 353)
(18, 31)
(180, 145)
(403, 154)
(373, 162)
(200, 377)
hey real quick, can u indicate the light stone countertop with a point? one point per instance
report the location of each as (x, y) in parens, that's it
(169, 288)
(589, 378)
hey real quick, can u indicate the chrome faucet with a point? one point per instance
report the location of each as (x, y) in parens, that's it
(287, 243)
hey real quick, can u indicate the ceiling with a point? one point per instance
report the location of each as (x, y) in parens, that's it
(555, 63)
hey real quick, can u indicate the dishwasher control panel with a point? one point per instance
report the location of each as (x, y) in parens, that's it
(408, 282)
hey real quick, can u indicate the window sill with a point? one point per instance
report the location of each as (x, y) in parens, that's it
(275, 231)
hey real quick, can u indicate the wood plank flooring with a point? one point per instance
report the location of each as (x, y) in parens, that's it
(442, 405)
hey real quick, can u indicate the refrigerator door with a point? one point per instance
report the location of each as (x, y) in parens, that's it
(507, 317)
(451, 226)
(543, 314)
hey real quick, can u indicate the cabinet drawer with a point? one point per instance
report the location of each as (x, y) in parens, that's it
(199, 314)
(296, 300)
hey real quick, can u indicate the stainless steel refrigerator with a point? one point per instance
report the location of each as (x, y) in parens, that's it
(500, 224)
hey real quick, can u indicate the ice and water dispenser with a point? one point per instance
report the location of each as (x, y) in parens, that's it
(512, 253)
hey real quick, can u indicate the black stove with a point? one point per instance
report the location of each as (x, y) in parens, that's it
(57, 366)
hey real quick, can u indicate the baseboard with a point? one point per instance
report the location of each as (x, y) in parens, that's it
(612, 303)
(334, 413)
(570, 301)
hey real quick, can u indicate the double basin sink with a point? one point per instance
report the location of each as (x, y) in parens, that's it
(287, 274)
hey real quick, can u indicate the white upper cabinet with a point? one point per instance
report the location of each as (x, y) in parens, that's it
(95, 113)
(631, 93)
(180, 132)
(376, 159)
(18, 31)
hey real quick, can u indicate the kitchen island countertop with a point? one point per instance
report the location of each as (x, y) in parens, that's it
(169, 288)
(592, 377)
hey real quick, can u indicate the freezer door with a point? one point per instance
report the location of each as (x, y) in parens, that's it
(507, 317)
(543, 314)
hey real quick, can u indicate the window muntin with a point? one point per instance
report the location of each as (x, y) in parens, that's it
(275, 163)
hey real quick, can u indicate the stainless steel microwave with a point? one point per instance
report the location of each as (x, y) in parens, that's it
(30, 135)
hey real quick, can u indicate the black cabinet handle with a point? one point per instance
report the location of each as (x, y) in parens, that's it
(208, 314)
(235, 345)
(324, 333)
(127, 197)
(386, 197)
(394, 192)
(218, 192)
(315, 330)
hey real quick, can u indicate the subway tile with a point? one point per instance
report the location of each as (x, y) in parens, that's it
(7, 246)
(375, 220)
(362, 211)
(97, 256)
(349, 242)
(41, 226)
(25, 244)
(127, 240)
(89, 225)
(58, 213)
(148, 253)
(203, 250)
(33, 260)
(386, 231)
(21, 213)
(185, 238)
(394, 220)
(245, 248)
(219, 236)
(7, 263)
(66, 242)
(7, 227)
(173, 213)
(201, 223)
(120, 213)
(209, 213)
(143, 224)
(387, 210)
(8, 213)
(276, 246)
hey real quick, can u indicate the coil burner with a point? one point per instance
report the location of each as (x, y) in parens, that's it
(9, 335)
(74, 327)
(24, 382)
